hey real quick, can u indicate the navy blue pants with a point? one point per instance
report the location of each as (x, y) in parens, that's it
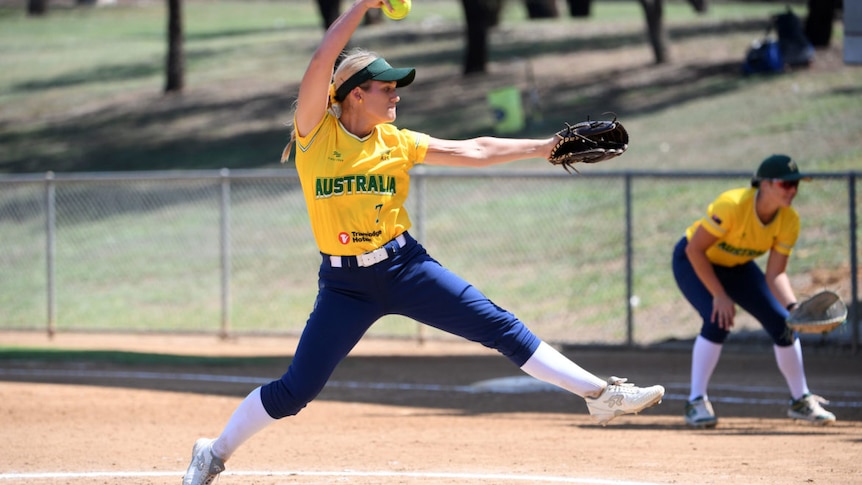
(745, 285)
(409, 283)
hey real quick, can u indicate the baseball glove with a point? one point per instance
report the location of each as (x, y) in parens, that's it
(819, 314)
(589, 142)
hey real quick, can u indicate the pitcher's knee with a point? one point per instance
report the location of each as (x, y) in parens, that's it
(517, 343)
(280, 400)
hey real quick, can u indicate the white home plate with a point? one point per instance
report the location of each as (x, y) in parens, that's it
(514, 385)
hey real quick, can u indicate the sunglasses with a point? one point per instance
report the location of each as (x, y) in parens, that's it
(786, 184)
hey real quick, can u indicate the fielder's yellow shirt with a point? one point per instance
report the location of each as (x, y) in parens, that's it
(355, 188)
(741, 236)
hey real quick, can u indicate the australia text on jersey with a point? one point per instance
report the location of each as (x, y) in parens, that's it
(739, 251)
(354, 184)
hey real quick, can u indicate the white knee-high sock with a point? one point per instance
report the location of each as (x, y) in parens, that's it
(546, 364)
(789, 361)
(248, 418)
(704, 358)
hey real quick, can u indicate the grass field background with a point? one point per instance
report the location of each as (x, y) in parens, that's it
(81, 91)
(81, 88)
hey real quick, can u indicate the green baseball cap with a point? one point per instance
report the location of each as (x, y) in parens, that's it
(779, 167)
(379, 70)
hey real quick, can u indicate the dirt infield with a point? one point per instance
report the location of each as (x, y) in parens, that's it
(399, 413)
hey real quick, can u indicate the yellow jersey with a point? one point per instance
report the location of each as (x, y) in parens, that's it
(355, 188)
(741, 235)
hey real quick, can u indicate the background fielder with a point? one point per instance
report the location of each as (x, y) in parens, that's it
(715, 269)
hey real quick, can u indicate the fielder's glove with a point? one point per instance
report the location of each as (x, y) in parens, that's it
(821, 313)
(589, 142)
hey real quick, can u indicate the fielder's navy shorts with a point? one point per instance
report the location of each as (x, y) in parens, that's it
(745, 284)
(410, 283)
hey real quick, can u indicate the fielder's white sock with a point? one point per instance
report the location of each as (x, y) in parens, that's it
(789, 361)
(704, 358)
(248, 418)
(546, 364)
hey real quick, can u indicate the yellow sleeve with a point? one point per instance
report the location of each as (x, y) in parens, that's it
(419, 146)
(720, 217)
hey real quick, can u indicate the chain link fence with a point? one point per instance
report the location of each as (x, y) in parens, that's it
(581, 260)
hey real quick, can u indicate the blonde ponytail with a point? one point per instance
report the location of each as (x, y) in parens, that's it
(353, 62)
(285, 154)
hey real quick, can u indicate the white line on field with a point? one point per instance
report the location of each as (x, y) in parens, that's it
(488, 477)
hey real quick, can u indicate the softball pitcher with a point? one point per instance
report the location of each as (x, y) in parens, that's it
(354, 168)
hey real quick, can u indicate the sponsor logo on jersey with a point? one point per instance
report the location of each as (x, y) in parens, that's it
(336, 156)
(356, 236)
(364, 236)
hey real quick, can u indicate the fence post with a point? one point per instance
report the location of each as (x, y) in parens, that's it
(854, 265)
(50, 248)
(419, 188)
(630, 298)
(224, 237)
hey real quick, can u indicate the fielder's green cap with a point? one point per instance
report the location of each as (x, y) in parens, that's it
(779, 167)
(378, 70)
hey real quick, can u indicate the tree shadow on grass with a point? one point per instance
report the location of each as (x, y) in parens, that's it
(167, 134)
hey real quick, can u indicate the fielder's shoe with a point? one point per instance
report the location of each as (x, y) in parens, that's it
(205, 466)
(620, 398)
(808, 408)
(699, 413)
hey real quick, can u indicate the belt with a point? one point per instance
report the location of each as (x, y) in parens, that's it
(370, 258)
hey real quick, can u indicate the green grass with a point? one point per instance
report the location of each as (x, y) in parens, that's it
(81, 91)
(66, 356)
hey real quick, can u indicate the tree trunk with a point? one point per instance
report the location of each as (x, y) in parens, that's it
(37, 7)
(654, 10)
(175, 64)
(818, 25)
(699, 6)
(493, 12)
(541, 9)
(480, 16)
(329, 11)
(579, 8)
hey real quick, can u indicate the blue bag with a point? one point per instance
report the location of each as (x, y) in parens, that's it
(763, 56)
